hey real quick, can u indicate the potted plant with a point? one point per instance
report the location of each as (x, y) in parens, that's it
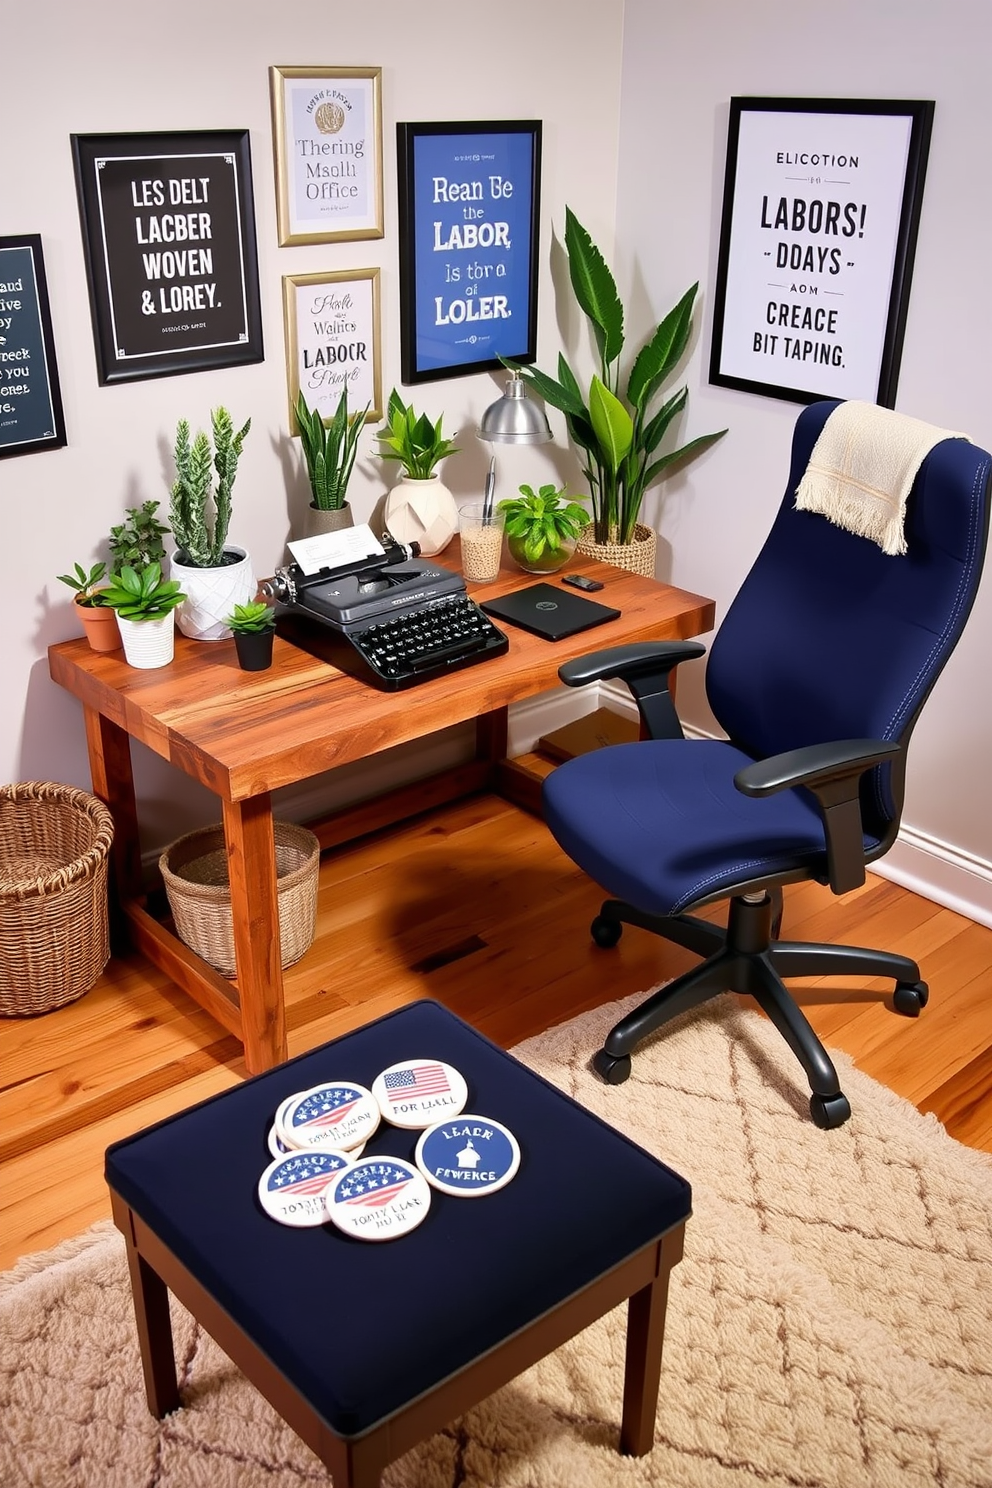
(613, 424)
(542, 527)
(419, 509)
(254, 627)
(329, 450)
(145, 603)
(137, 541)
(99, 623)
(214, 576)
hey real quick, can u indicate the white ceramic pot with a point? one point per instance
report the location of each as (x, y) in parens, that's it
(422, 511)
(148, 643)
(211, 594)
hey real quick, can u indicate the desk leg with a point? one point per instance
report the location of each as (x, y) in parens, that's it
(109, 750)
(645, 1336)
(151, 1314)
(251, 858)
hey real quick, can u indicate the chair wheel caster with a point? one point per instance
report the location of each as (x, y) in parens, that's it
(910, 997)
(829, 1111)
(613, 1068)
(606, 933)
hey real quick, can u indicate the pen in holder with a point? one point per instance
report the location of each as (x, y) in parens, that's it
(487, 500)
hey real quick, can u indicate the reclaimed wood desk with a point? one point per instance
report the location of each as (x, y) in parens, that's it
(245, 734)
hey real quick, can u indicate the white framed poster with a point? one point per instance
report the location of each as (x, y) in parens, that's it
(333, 341)
(327, 140)
(821, 211)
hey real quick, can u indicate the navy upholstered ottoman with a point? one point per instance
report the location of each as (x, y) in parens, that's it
(589, 1220)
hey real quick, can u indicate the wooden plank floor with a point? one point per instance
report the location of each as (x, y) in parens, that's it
(476, 906)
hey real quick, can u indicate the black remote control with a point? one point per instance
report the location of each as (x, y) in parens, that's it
(579, 581)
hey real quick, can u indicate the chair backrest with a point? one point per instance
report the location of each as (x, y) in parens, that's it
(830, 638)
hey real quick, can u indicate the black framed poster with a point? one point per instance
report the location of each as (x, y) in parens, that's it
(30, 400)
(169, 234)
(469, 215)
(821, 212)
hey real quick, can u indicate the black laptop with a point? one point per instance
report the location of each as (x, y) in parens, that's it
(547, 611)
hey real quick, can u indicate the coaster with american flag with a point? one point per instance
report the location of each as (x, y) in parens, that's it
(292, 1187)
(418, 1092)
(378, 1198)
(340, 1115)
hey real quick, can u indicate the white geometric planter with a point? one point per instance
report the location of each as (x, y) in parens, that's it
(211, 594)
(148, 643)
(422, 511)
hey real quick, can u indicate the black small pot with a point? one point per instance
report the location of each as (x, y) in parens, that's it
(254, 649)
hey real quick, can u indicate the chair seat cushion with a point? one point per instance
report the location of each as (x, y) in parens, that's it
(661, 825)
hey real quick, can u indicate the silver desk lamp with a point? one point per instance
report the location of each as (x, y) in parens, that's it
(512, 419)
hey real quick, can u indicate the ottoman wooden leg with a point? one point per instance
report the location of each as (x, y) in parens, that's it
(645, 1336)
(151, 1311)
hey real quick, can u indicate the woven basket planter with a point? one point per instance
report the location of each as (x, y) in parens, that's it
(195, 872)
(54, 849)
(636, 557)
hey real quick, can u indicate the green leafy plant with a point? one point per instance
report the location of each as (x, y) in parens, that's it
(329, 449)
(249, 619)
(199, 516)
(417, 443)
(86, 585)
(613, 426)
(142, 594)
(541, 526)
(137, 541)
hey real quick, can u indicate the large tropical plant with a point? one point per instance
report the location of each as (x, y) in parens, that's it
(613, 425)
(329, 449)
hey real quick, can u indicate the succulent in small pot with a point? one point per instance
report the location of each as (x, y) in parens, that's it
(542, 527)
(145, 603)
(254, 628)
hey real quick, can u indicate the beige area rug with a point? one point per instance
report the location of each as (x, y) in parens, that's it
(829, 1327)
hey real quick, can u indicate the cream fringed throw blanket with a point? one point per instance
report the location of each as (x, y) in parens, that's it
(862, 468)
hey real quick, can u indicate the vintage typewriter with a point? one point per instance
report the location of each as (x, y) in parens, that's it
(393, 619)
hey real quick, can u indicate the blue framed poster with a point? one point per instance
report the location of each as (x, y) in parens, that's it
(30, 401)
(469, 213)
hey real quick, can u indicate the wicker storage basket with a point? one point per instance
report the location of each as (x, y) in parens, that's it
(194, 868)
(637, 556)
(54, 935)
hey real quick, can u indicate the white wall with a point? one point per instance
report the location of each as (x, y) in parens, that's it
(117, 65)
(681, 66)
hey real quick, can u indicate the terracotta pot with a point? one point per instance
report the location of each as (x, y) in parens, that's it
(99, 626)
(637, 556)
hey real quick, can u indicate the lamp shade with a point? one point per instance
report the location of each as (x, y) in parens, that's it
(514, 418)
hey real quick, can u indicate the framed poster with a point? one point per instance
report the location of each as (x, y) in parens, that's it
(469, 213)
(821, 210)
(327, 139)
(169, 234)
(333, 341)
(30, 400)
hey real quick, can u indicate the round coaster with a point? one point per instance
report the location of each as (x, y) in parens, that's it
(378, 1198)
(292, 1187)
(469, 1156)
(277, 1146)
(419, 1092)
(339, 1115)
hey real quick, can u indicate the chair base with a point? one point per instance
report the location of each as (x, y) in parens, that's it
(745, 958)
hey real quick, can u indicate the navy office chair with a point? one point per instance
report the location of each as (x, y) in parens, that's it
(817, 675)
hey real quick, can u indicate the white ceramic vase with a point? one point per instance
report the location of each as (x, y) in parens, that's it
(211, 594)
(422, 511)
(148, 643)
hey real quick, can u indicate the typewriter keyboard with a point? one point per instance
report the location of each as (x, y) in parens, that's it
(438, 637)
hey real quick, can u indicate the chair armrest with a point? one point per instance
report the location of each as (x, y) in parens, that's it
(645, 667)
(832, 773)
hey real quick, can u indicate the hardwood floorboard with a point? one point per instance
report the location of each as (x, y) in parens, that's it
(475, 905)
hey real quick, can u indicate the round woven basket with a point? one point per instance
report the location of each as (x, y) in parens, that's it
(198, 887)
(54, 848)
(636, 557)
